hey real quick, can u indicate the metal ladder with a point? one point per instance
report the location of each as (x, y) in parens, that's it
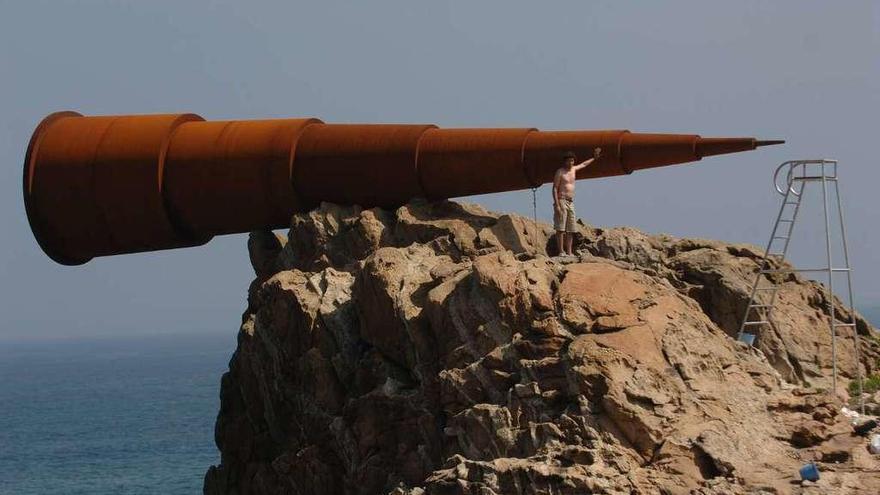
(798, 173)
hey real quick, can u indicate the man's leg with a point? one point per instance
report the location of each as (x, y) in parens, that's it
(570, 227)
(559, 227)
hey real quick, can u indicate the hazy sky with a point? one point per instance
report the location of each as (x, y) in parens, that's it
(805, 71)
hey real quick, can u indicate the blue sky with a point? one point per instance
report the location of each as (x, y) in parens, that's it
(805, 71)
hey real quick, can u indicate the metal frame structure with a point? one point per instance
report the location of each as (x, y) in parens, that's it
(798, 173)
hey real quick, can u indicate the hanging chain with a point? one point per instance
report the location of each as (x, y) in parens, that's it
(535, 219)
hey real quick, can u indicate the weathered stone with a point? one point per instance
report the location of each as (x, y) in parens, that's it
(435, 349)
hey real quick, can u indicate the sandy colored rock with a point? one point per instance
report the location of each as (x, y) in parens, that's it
(436, 350)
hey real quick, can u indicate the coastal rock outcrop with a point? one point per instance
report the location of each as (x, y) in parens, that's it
(438, 349)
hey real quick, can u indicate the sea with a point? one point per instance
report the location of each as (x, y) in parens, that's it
(115, 415)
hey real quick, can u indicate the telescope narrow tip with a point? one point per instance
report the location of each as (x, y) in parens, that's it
(721, 146)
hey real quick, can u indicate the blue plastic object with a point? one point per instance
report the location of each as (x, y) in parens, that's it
(810, 472)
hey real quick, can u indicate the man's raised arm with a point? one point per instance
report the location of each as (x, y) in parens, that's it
(586, 163)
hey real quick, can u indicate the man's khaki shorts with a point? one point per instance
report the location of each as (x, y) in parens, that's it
(564, 218)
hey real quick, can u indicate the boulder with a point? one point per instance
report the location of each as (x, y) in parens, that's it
(437, 349)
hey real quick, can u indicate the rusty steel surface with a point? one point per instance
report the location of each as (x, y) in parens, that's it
(544, 149)
(490, 160)
(227, 176)
(364, 164)
(105, 185)
(93, 186)
(640, 151)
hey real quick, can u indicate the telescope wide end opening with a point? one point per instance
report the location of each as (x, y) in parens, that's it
(37, 224)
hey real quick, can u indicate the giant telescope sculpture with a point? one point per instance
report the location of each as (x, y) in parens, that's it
(99, 186)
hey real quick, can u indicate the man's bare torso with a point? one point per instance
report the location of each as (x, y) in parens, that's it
(565, 184)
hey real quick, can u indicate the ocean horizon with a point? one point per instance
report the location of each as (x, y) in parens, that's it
(121, 415)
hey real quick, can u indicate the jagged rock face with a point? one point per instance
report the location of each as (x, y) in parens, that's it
(720, 276)
(437, 349)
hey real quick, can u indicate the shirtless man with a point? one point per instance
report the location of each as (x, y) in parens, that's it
(563, 200)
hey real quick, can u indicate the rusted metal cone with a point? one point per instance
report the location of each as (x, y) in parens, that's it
(99, 186)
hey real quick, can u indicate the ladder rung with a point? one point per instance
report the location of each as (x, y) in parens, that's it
(814, 177)
(780, 237)
(752, 323)
(760, 305)
(784, 220)
(844, 324)
(767, 288)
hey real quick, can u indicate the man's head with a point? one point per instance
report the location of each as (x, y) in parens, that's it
(569, 158)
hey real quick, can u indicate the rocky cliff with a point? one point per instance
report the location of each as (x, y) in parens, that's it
(438, 349)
